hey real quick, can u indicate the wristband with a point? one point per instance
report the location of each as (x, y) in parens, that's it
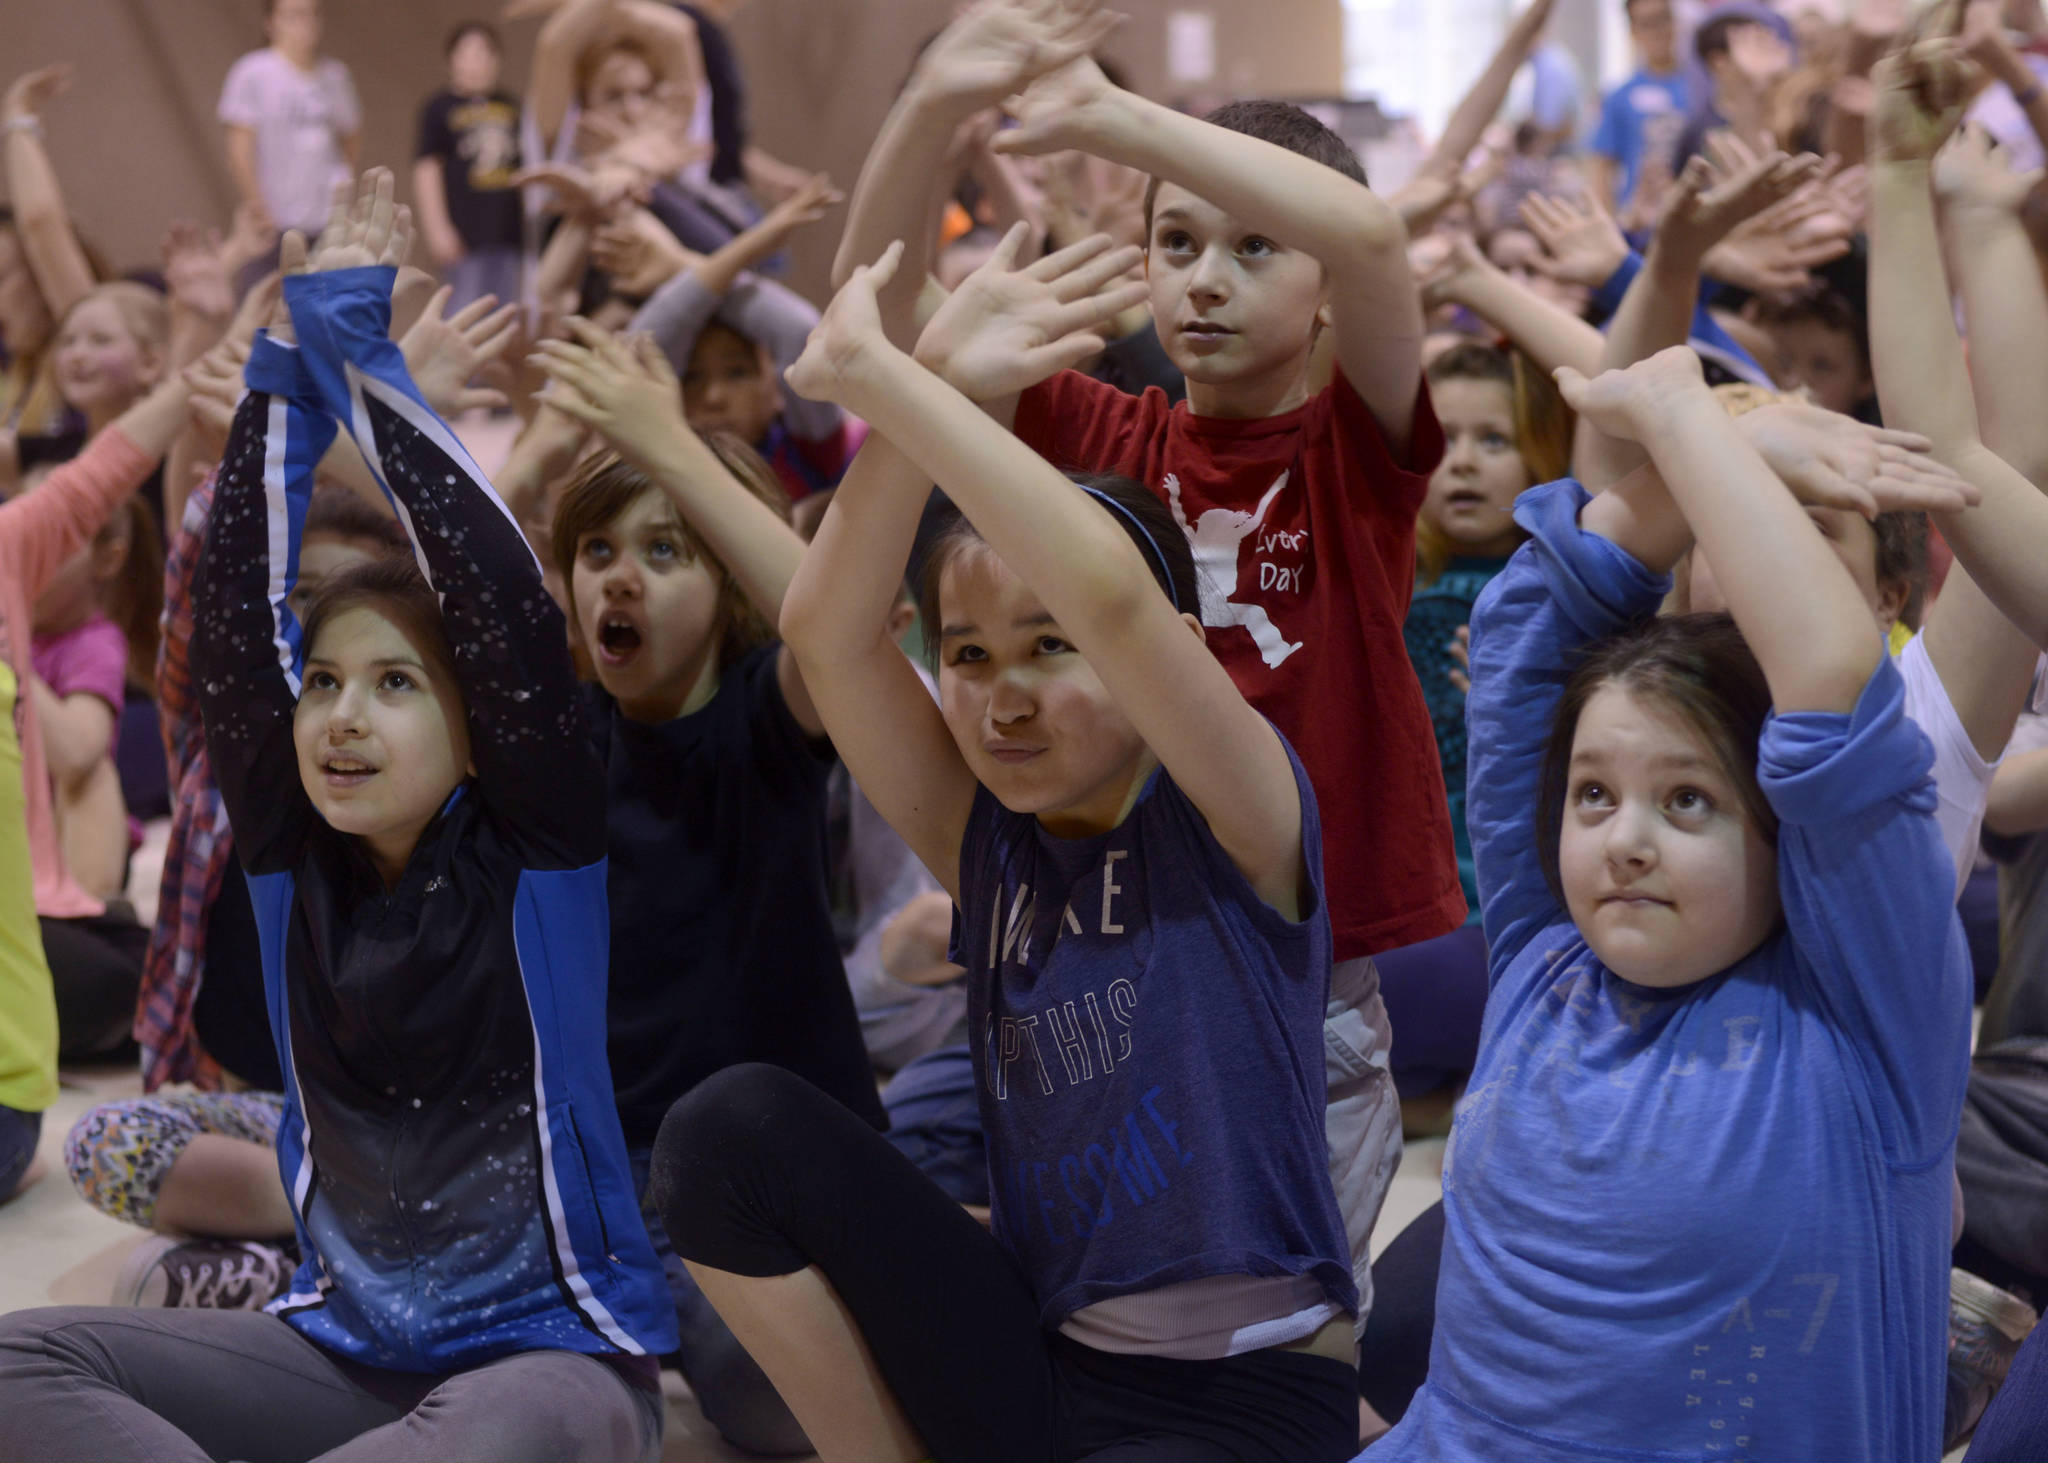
(33, 125)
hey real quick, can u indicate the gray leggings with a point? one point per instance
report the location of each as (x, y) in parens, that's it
(105, 1384)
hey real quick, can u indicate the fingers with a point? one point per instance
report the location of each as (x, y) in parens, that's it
(883, 269)
(480, 398)
(291, 253)
(1062, 262)
(491, 336)
(1097, 273)
(571, 366)
(1063, 354)
(1003, 258)
(1098, 307)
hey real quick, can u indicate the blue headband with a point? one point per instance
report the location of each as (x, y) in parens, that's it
(1159, 554)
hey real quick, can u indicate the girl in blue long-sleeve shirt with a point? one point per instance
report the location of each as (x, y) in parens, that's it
(1697, 1200)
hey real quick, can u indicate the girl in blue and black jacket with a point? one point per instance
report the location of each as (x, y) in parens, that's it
(422, 824)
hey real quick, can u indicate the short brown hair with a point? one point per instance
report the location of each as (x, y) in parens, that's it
(607, 485)
(394, 588)
(1284, 125)
(1696, 666)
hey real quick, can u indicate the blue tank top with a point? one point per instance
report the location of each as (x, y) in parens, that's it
(1148, 1054)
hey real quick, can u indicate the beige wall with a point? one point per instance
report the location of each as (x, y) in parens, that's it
(136, 144)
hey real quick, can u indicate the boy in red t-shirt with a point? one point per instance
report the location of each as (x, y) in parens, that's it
(1301, 504)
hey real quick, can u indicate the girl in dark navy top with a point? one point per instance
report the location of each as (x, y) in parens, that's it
(1135, 855)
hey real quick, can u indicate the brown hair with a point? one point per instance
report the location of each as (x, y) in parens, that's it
(394, 588)
(1146, 522)
(135, 595)
(1543, 427)
(593, 57)
(1284, 125)
(607, 485)
(341, 512)
(1696, 666)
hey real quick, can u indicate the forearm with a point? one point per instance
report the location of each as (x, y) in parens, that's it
(2019, 796)
(671, 36)
(1796, 606)
(1639, 516)
(43, 224)
(2006, 307)
(836, 610)
(562, 40)
(776, 316)
(92, 823)
(563, 261)
(78, 730)
(720, 271)
(430, 197)
(156, 421)
(544, 451)
(676, 314)
(903, 176)
(1482, 103)
(1548, 335)
(1655, 313)
(242, 165)
(1915, 354)
(757, 547)
(1300, 203)
(1041, 526)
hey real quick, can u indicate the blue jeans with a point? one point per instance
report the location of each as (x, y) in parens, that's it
(729, 1385)
(19, 1132)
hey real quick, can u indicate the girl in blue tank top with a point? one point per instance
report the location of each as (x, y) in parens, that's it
(1135, 857)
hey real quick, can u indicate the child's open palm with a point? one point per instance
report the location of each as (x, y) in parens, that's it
(1582, 244)
(1049, 112)
(1006, 329)
(998, 46)
(1712, 199)
(626, 391)
(1832, 461)
(364, 230)
(444, 351)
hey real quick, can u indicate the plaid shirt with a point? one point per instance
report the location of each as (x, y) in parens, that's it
(200, 845)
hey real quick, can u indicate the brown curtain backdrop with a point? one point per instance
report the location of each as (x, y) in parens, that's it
(136, 143)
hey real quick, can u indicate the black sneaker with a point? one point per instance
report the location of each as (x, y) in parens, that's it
(1985, 1328)
(212, 1274)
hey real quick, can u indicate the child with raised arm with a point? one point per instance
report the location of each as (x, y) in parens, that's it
(676, 551)
(1698, 1195)
(421, 823)
(1300, 504)
(1134, 851)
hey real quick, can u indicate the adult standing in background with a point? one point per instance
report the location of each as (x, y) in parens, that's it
(294, 126)
(465, 172)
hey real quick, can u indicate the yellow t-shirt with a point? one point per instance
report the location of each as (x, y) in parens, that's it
(28, 1005)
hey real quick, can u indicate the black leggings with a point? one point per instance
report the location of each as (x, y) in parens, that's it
(96, 968)
(1393, 1355)
(757, 1172)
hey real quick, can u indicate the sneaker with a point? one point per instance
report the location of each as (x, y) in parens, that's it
(213, 1274)
(1985, 1328)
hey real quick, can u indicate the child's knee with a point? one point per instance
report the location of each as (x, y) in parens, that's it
(118, 1153)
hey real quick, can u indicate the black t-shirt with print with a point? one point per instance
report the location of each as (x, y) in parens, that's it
(477, 141)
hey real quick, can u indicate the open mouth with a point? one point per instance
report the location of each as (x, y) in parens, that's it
(346, 772)
(618, 640)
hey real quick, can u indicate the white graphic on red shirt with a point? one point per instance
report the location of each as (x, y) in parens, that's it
(1216, 538)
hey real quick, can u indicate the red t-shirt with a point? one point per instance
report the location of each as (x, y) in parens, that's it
(1303, 527)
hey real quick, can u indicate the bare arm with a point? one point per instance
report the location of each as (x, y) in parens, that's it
(1548, 335)
(991, 51)
(1482, 102)
(882, 721)
(563, 38)
(2019, 795)
(78, 731)
(430, 197)
(1915, 352)
(41, 218)
(1794, 602)
(629, 395)
(1297, 202)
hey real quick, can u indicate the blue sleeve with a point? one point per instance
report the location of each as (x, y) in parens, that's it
(534, 763)
(1704, 335)
(1868, 888)
(1611, 135)
(1562, 590)
(245, 651)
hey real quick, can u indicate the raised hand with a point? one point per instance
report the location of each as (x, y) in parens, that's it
(624, 390)
(365, 229)
(636, 249)
(850, 334)
(215, 381)
(1973, 174)
(443, 352)
(583, 190)
(1832, 461)
(196, 273)
(1775, 252)
(250, 237)
(810, 203)
(1707, 205)
(999, 47)
(1051, 114)
(1008, 328)
(1624, 403)
(34, 91)
(1583, 245)
(1442, 263)
(1923, 90)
